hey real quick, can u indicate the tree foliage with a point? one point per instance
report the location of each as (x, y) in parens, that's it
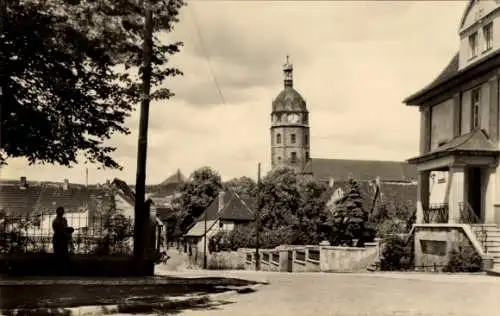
(280, 198)
(245, 187)
(292, 211)
(197, 193)
(397, 255)
(350, 221)
(311, 213)
(65, 91)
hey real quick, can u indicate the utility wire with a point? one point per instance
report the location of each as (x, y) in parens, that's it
(207, 56)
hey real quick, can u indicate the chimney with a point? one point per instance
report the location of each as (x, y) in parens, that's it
(222, 194)
(331, 182)
(23, 182)
(66, 185)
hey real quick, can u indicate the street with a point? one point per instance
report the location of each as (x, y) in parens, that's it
(365, 294)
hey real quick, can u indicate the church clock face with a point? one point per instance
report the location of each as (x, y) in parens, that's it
(293, 118)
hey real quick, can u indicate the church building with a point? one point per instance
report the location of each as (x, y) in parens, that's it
(291, 147)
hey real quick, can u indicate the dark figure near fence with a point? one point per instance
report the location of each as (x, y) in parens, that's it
(62, 235)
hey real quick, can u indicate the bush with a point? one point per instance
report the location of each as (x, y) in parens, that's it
(464, 259)
(397, 255)
(245, 237)
(391, 226)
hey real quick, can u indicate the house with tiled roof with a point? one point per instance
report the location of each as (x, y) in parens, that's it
(458, 174)
(28, 199)
(24, 199)
(227, 211)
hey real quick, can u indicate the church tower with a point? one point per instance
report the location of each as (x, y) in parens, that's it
(289, 126)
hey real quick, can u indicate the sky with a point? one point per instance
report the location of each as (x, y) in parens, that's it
(354, 63)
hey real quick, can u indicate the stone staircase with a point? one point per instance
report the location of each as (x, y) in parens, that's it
(489, 236)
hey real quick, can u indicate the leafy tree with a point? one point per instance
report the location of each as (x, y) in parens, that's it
(245, 187)
(312, 212)
(64, 90)
(280, 199)
(197, 193)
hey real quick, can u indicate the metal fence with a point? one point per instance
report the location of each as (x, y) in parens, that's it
(100, 235)
(436, 213)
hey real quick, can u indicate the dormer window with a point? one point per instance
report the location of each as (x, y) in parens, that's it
(475, 106)
(473, 45)
(488, 36)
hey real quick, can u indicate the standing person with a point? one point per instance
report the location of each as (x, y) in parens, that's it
(60, 239)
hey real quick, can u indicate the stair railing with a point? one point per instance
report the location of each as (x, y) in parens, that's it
(468, 216)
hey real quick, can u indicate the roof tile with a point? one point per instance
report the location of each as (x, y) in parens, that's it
(361, 170)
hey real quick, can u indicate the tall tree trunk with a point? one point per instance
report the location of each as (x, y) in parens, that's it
(141, 217)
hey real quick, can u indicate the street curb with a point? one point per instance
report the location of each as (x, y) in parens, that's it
(135, 307)
(493, 272)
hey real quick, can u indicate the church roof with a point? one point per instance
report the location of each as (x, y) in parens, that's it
(361, 170)
(176, 178)
(289, 100)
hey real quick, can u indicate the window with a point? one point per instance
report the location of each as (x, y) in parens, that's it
(475, 106)
(278, 138)
(293, 138)
(488, 36)
(306, 138)
(279, 158)
(307, 155)
(294, 157)
(473, 45)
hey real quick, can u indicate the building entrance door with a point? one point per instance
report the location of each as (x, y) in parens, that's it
(474, 191)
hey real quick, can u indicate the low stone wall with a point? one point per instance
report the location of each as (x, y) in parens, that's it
(348, 259)
(312, 258)
(434, 243)
(222, 260)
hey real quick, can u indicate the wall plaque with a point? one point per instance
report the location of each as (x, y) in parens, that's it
(433, 247)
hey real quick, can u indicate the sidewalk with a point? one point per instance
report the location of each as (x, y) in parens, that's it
(76, 296)
(138, 305)
(248, 275)
(163, 276)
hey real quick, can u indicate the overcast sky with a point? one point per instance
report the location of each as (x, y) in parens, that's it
(354, 63)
